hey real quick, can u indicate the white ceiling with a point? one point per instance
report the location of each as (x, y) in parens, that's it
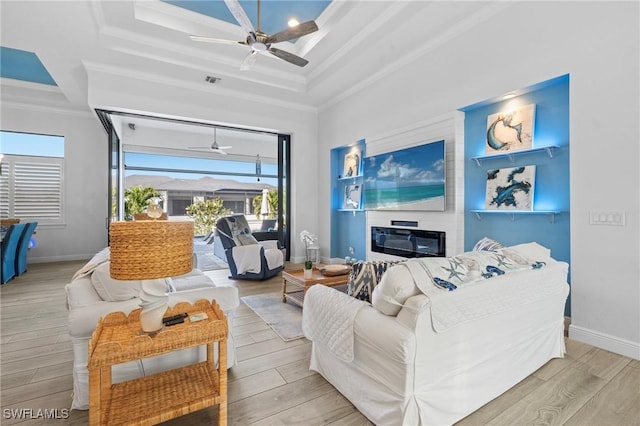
(357, 44)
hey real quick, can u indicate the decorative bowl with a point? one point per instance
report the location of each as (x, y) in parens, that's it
(333, 270)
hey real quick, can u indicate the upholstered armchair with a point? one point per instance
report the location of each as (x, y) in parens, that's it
(248, 258)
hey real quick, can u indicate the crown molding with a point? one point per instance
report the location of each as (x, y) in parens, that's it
(28, 106)
(95, 67)
(453, 31)
(38, 87)
(131, 43)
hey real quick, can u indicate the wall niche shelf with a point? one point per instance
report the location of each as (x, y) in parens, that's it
(513, 213)
(354, 177)
(549, 149)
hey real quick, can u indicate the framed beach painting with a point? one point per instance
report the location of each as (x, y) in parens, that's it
(511, 130)
(510, 188)
(408, 179)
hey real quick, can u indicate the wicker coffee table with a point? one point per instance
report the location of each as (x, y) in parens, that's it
(299, 285)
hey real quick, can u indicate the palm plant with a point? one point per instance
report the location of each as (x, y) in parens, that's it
(137, 198)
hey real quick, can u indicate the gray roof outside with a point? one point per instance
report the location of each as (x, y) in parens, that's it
(204, 184)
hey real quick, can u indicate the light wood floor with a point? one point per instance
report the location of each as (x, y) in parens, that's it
(272, 383)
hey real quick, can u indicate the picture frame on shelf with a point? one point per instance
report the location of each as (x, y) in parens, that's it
(352, 160)
(510, 188)
(510, 130)
(352, 197)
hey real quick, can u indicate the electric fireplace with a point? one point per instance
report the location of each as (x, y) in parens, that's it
(407, 242)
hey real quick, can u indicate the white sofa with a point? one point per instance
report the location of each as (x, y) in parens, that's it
(92, 294)
(421, 355)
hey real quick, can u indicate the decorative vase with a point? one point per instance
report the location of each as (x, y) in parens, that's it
(154, 303)
(308, 269)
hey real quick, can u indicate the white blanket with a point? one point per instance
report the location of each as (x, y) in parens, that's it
(485, 297)
(247, 258)
(331, 328)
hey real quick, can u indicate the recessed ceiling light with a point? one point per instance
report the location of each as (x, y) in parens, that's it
(510, 95)
(293, 22)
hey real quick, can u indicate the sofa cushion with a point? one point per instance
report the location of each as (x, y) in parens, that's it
(236, 225)
(365, 276)
(112, 290)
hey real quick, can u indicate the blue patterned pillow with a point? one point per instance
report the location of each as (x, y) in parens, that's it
(365, 276)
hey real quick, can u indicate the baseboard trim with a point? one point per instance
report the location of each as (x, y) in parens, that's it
(49, 259)
(605, 341)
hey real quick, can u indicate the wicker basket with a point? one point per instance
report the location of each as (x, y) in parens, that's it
(150, 249)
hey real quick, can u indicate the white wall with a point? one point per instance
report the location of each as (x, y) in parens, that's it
(527, 43)
(85, 180)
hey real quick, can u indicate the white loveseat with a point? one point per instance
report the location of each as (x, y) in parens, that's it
(92, 294)
(422, 355)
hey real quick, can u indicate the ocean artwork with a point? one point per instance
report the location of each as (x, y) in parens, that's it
(408, 179)
(352, 197)
(510, 188)
(510, 130)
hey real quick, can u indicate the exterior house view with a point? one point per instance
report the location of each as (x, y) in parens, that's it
(178, 194)
(451, 186)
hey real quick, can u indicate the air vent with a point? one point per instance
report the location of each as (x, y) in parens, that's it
(211, 79)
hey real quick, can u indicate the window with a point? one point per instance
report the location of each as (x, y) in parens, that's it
(31, 177)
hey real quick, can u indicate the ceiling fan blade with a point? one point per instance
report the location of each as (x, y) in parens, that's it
(249, 61)
(199, 148)
(294, 32)
(241, 16)
(289, 57)
(215, 40)
(224, 147)
(219, 151)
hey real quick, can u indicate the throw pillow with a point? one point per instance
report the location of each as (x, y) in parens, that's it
(365, 276)
(247, 239)
(112, 290)
(487, 244)
(395, 288)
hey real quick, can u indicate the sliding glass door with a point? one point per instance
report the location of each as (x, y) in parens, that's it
(194, 166)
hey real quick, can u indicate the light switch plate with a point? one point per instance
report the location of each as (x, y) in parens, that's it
(611, 218)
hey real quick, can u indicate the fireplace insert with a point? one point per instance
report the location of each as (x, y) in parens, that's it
(407, 242)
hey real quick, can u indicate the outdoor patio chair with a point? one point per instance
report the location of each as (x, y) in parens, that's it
(248, 258)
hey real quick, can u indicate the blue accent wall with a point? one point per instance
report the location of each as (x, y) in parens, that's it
(348, 228)
(552, 185)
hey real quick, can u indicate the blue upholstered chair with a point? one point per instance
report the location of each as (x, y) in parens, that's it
(9, 248)
(248, 258)
(23, 247)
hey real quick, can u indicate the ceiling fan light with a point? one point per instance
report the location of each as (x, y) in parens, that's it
(259, 47)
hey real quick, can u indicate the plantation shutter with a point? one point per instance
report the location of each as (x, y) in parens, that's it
(34, 189)
(4, 190)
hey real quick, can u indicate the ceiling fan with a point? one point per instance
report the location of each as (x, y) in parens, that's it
(215, 148)
(261, 42)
